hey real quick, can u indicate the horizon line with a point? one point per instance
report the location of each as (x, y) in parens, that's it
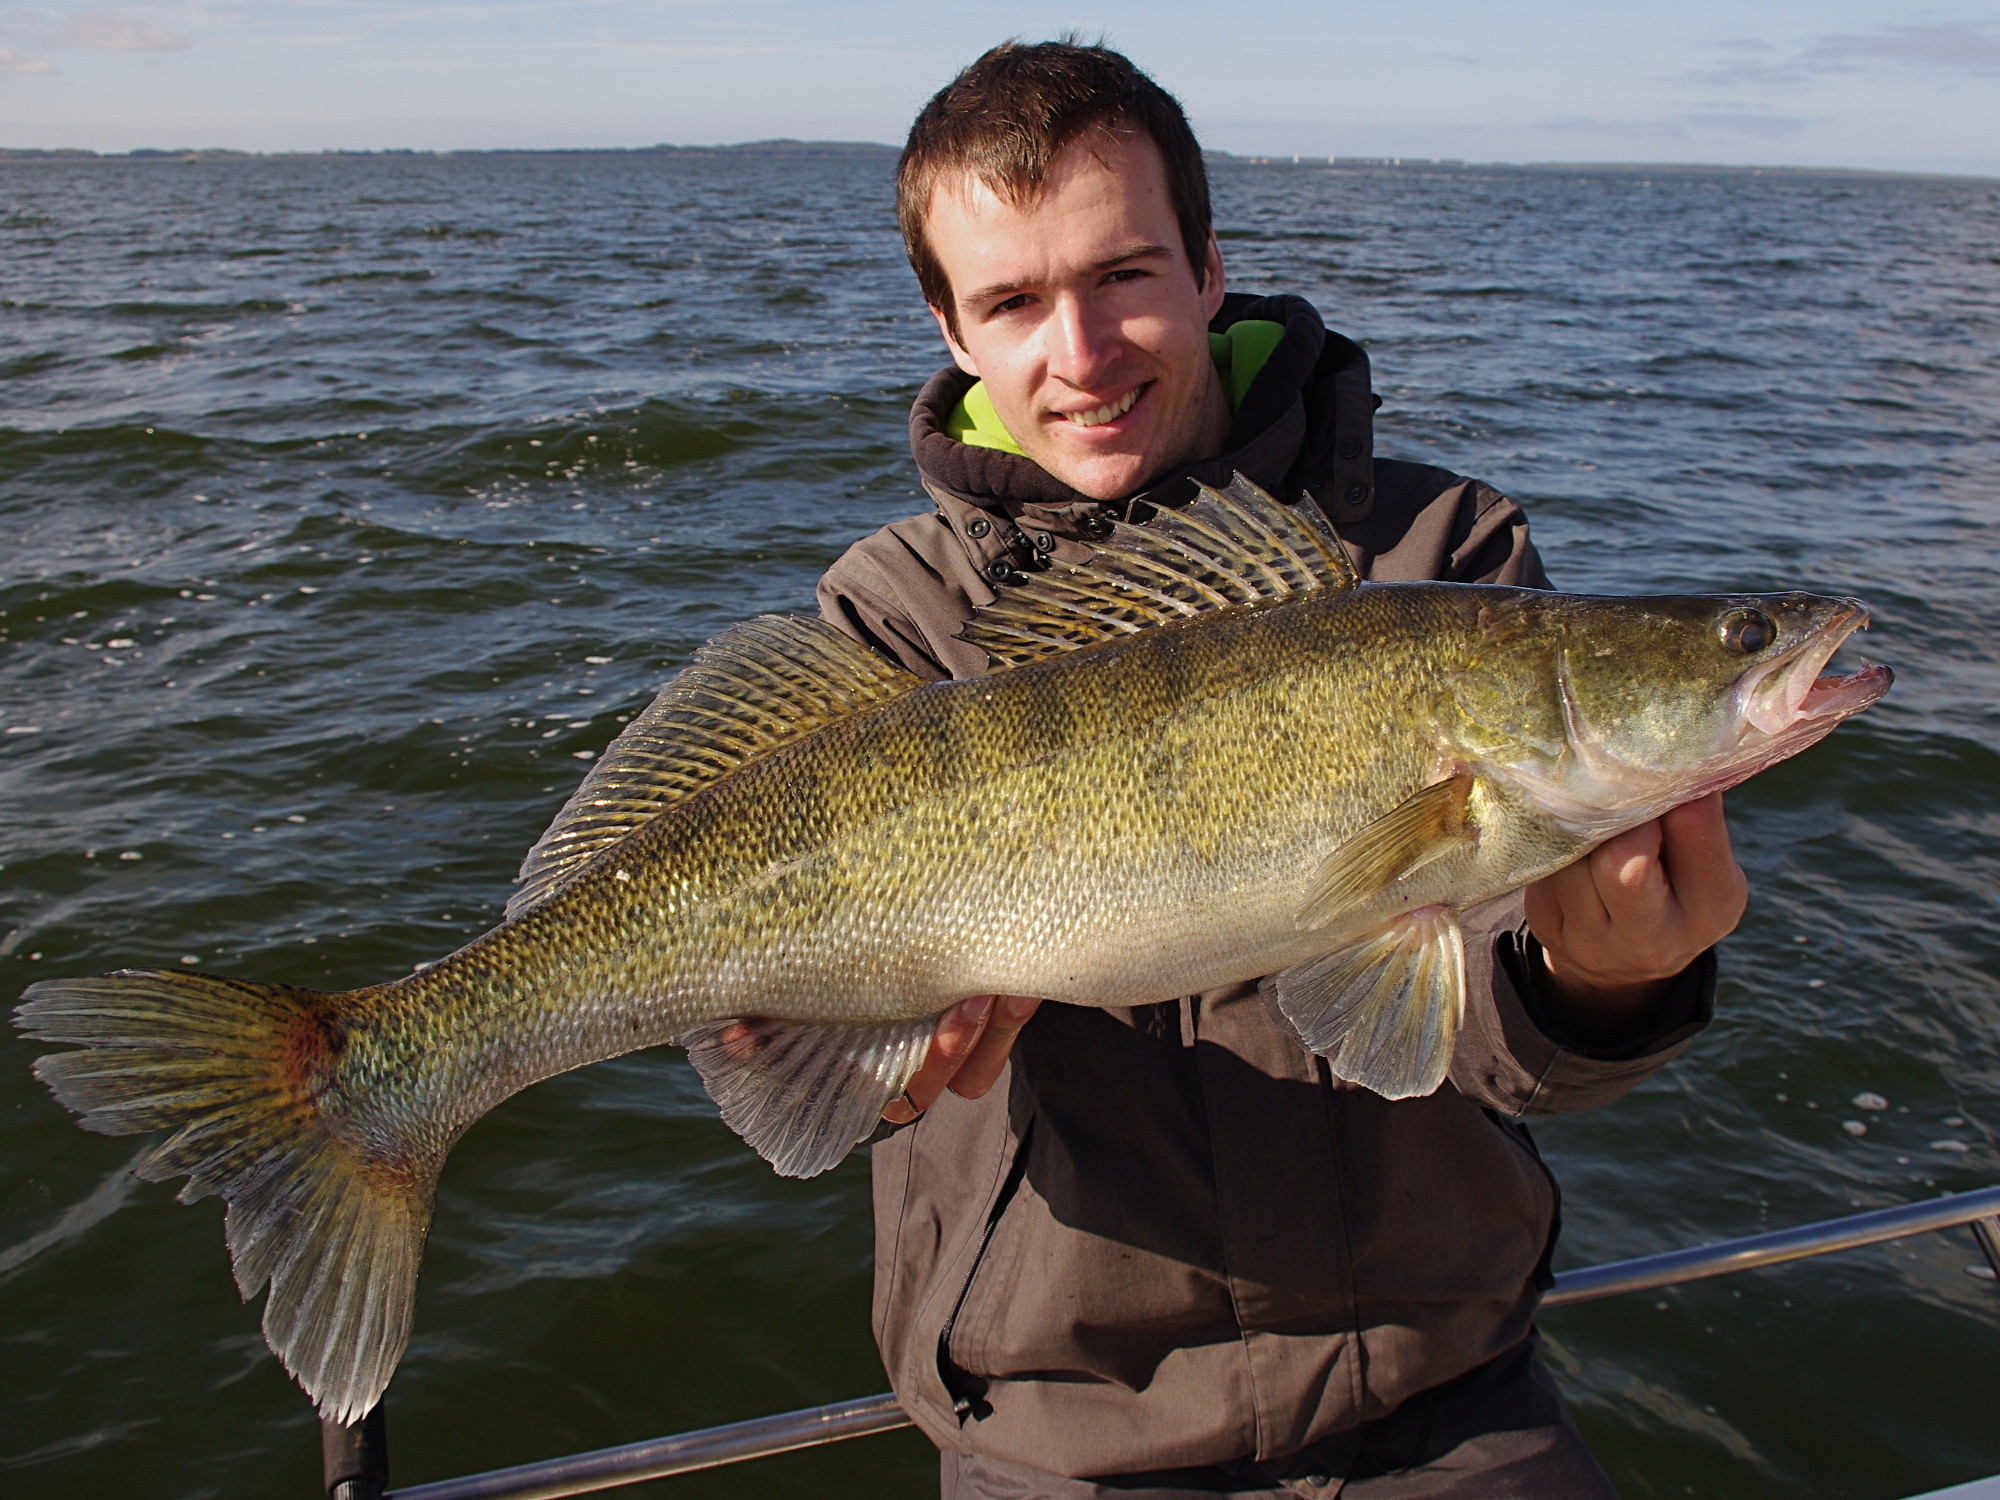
(792, 145)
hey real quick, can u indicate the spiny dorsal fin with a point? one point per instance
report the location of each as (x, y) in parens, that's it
(1230, 548)
(755, 686)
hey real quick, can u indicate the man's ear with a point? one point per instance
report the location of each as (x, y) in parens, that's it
(958, 355)
(1211, 286)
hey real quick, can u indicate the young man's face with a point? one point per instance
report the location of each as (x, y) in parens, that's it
(1081, 314)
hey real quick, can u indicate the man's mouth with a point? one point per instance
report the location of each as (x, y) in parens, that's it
(1109, 412)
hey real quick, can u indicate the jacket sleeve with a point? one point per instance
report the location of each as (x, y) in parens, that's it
(905, 592)
(1511, 1055)
(849, 604)
(860, 612)
(1496, 547)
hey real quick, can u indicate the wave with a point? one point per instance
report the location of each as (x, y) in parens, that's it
(110, 1195)
(200, 309)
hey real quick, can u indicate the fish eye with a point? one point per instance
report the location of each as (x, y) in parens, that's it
(1746, 631)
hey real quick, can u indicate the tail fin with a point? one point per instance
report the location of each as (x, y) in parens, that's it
(332, 1219)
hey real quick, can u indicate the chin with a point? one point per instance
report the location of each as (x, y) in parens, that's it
(1109, 476)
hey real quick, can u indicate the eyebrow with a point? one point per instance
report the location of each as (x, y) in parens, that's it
(1005, 289)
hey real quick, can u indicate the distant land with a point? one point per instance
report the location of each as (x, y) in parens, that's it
(218, 153)
(869, 150)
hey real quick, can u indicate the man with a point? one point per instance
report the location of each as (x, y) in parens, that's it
(1161, 1251)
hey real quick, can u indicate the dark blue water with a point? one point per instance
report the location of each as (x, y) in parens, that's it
(350, 505)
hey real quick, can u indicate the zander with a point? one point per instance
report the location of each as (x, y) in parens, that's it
(1210, 755)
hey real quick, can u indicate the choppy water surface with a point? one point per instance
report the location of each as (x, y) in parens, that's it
(350, 504)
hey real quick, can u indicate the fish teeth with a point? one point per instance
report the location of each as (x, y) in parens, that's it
(1106, 412)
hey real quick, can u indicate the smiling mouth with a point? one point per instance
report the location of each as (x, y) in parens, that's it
(1109, 412)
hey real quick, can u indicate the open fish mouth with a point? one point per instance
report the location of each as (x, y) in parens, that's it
(1843, 695)
(1791, 695)
(1777, 708)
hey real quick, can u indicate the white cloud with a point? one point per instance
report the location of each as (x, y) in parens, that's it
(13, 62)
(117, 31)
(1744, 124)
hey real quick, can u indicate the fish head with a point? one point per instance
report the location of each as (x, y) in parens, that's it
(1642, 704)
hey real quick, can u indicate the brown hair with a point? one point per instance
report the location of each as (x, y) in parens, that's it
(1007, 117)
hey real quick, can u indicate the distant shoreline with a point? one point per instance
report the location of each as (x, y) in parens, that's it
(864, 150)
(784, 147)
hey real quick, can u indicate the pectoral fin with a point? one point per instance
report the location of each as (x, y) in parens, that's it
(802, 1095)
(1425, 827)
(1385, 1011)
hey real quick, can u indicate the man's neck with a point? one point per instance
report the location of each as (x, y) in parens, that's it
(1213, 432)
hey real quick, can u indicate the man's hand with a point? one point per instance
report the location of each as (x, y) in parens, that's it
(968, 1050)
(1622, 921)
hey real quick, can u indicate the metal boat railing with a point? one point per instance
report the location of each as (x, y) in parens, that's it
(357, 1468)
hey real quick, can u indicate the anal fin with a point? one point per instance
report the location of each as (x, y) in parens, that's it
(803, 1095)
(1385, 1011)
(1420, 829)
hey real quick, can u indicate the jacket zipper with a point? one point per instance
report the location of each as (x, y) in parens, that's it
(962, 1404)
(1543, 1276)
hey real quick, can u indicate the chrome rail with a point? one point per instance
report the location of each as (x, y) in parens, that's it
(1979, 1208)
(604, 1468)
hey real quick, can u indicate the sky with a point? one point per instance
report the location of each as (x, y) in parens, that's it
(1857, 83)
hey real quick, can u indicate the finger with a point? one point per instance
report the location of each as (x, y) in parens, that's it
(1630, 882)
(1564, 902)
(957, 1034)
(1542, 904)
(1696, 831)
(1010, 1014)
(1600, 919)
(1707, 881)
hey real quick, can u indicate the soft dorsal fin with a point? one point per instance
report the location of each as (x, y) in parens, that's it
(755, 686)
(1231, 547)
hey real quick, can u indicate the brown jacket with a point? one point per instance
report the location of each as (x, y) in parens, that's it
(1168, 1237)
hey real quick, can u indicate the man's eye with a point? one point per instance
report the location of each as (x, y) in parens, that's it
(1128, 273)
(1020, 299)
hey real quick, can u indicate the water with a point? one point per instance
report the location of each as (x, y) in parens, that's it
(352, 503)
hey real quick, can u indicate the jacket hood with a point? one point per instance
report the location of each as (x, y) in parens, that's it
(1303, 427)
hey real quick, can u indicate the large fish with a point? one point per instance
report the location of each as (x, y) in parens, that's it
(1210, 755)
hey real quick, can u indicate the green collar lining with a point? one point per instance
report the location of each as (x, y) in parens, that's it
(1239, 352)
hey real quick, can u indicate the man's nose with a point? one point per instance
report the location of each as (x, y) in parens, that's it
(1084, 345)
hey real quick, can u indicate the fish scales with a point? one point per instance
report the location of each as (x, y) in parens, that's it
(1017, 814)
(1018, 804)
(1211, 756)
